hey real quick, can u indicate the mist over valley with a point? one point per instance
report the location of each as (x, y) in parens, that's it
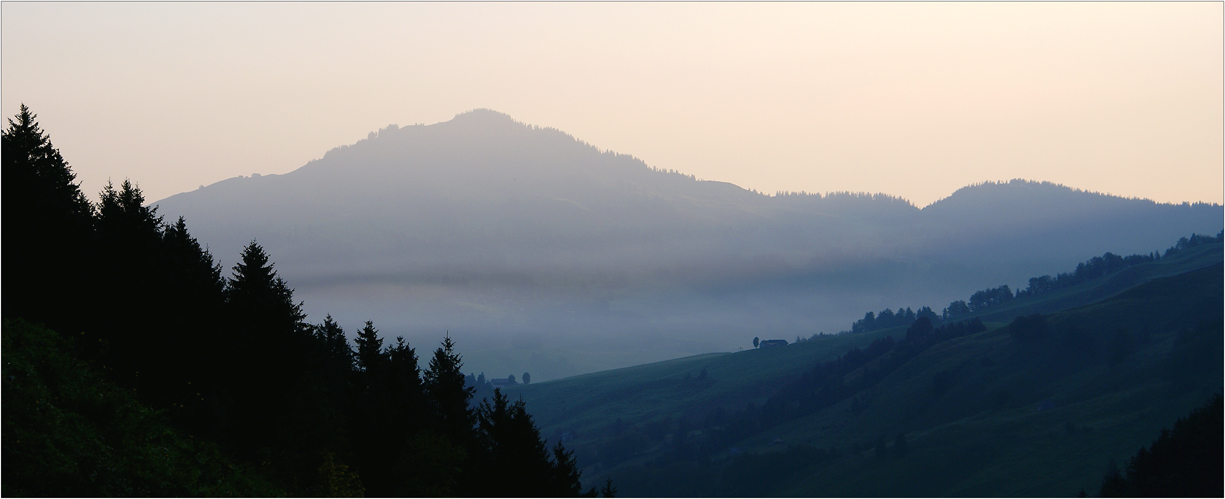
(617, 249)
(538, 252)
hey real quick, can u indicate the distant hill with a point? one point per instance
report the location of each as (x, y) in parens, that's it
(995, 413)
(550, 255)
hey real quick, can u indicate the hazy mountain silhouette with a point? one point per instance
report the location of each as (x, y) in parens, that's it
(585, 259)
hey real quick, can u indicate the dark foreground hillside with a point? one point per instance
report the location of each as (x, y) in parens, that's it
(1035, 406)
(70, 432)
(132, 367)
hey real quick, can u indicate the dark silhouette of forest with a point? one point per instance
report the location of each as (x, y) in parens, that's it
(985, 300)
(134, 366)
(1182, 462)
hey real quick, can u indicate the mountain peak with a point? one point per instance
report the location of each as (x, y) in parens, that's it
(483, 115)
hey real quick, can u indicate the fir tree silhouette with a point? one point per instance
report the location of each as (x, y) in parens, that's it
(48, 228)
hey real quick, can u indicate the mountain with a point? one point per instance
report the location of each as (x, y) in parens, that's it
(547, 254)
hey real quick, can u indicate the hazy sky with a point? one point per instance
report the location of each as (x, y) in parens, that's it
(910, 99)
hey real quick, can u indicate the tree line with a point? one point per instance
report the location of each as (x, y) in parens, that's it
(1184, 461)
(232, 360)
(984, 300)
(888, 318)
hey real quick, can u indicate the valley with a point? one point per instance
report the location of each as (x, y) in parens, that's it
(973, 410)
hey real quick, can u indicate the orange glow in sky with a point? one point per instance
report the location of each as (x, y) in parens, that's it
(909, 99)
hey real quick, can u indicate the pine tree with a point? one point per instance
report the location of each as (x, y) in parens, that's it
(192, 261)
(608, 490)
(48, 230)
(378, 438)
(516, 458)
(135, 311)
(370, 356)
(263, 305)
(190, 293)
(565, 473)
(124, 218)
(336, 352)
(405, 383)
(444, 386)
(448, 396)
(268, 340)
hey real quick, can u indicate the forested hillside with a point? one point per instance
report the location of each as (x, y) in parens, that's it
(1037, 404)
(134, 366)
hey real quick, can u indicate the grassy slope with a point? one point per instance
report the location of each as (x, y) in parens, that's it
(991, 405)
(585, 405)
(969, 442)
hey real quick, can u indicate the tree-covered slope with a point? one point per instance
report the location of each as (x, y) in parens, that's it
(177, 379)
(70, 432)
(1201, 256)
(998, 414)
(1002, 412)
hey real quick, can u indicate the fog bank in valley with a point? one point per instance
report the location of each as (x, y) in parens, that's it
(540, 253)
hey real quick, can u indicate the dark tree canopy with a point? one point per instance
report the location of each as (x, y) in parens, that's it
(1183, 462)
(517, 456)
(449, 394)
(48, 226)
(230, 365)
(369, 348)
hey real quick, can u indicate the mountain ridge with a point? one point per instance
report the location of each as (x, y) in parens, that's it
(486, 118)
(487, 225)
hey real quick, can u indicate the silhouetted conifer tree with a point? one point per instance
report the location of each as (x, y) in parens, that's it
(516, 461)
(335, 345)
(269, 341)
(566, 474)
(369, 348)
(134, 261)
(48, 228)
(191, 293)
(608, 490)
(449, 396)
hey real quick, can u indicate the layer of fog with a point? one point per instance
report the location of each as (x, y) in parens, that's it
(540, 253)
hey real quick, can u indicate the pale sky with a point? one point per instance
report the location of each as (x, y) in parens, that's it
(909, 99)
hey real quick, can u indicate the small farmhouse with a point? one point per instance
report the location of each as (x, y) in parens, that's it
(773, 343)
